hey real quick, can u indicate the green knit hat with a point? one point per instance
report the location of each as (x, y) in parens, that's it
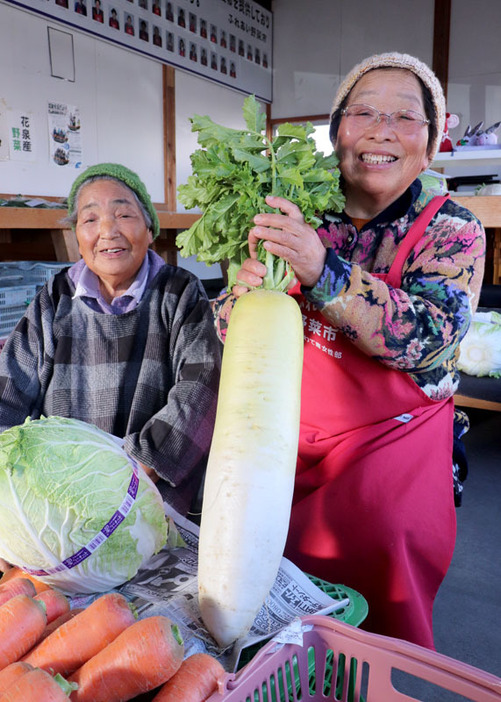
(126, 176)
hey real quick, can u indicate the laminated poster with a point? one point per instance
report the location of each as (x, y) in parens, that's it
(64, 135)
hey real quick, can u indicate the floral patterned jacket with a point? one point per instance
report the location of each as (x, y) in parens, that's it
(418, 327)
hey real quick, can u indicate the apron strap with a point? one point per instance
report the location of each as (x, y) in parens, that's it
(414, 234)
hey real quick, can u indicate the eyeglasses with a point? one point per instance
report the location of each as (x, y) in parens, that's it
(402, 121)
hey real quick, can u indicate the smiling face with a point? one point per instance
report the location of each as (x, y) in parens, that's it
(112, 235)
(379, 163)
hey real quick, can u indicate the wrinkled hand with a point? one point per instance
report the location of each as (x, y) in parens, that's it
(285, 235)
(152, 475)
(5, 565)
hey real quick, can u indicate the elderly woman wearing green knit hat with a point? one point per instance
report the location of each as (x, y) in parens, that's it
(387, 289)
(120, 339)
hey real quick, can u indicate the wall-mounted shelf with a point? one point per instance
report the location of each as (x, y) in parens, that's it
(471, 157)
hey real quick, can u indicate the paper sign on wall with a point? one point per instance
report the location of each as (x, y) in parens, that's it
(21, 145)
(65, 137)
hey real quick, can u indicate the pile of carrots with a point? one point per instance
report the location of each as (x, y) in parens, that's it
(101, 653)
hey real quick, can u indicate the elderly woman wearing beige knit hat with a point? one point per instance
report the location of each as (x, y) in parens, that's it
(387, 289)
(120, 339)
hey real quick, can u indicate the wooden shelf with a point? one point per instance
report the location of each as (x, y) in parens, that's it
(19, 226)
(470, 157)
(486, 207)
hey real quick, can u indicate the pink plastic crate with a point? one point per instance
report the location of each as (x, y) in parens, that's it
(340, 662)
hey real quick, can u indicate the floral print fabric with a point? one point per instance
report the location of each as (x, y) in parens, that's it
(417, 327)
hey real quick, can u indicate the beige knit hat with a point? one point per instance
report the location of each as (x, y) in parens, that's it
(396, 60)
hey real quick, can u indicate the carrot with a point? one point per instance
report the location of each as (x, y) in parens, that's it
(15, 572)
(38, 685)
(56, 603)
(22, 622)
(60, 620)
(195, 680)
(142, 658)
(11, 673)
(19, 586)
(80, 638)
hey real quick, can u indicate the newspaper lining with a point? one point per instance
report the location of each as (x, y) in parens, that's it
(167, 585)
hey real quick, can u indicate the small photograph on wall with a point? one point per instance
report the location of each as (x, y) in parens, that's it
(169, 12)
(169, 41)
(213, 60)
(224, 67)
(113, 19)
(203, 28)
(213, 33)
(193, 51)
(62, 3)
(181, 47)
(143, 4)
(156, 8)
(157, 36)
(129, 24)
(144, 34)
(97, 12)
(203, 56)
(224, 41)
(80, 7)
(193, 22)
(181, 17)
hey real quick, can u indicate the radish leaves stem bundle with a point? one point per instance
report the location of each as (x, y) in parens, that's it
(233, 172)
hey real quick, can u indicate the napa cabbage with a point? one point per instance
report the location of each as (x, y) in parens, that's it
(61, 482)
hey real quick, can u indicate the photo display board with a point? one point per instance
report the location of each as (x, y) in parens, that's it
(226, 41)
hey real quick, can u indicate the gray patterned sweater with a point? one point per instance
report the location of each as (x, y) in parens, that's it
(149, 375)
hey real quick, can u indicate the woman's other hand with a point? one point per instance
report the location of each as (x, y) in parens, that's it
(152, 475)
(249, 276)
(287, 236)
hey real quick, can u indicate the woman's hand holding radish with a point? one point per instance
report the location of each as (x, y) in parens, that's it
(287, 236)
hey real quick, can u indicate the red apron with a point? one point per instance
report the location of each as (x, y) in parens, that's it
(373, 502)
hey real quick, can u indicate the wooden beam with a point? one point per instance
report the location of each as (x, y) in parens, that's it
(65, 244)
(169, 108)
(465, 401)
(441, 42)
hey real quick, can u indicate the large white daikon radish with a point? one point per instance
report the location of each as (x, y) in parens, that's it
(251, 469)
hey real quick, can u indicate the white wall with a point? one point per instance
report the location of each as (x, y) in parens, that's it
(474, 91)
(316, 43)
(118, 93)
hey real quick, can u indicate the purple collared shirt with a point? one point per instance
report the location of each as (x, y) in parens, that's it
(87, 286)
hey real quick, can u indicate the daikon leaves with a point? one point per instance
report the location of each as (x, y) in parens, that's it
(236, 169)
